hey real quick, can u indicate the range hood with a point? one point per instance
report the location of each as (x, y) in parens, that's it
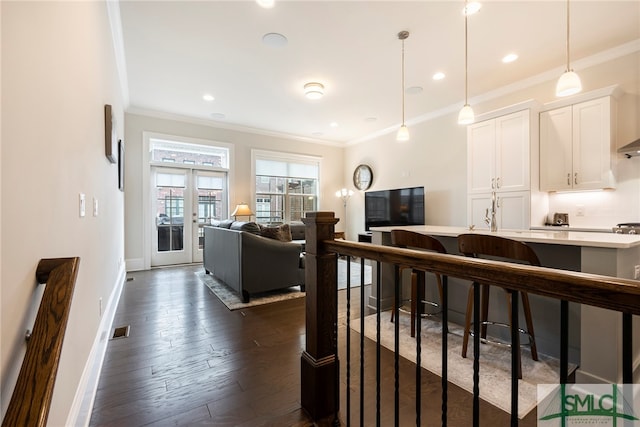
(631, 149)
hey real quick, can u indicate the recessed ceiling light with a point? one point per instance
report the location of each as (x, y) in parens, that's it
(438, 76)
(371, 119)
(313, 90)
(274, 40)
(208, 97)
(471, 8)
(267, 4)
(333, 124)
(509, 58)
(217, 116)
(413, 90)
(317, 133)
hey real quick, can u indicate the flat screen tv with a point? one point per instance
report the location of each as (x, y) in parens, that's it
(402, 206)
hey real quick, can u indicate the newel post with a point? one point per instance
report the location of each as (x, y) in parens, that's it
(319, 363)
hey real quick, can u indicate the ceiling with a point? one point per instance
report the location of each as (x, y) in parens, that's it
(176, 51)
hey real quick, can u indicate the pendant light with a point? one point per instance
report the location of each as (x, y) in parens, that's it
(569, 82)
(466, 115)
(403, 132)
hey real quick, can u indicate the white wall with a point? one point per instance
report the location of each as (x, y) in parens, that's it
(436, 155)
(58, 71)
(240, 168)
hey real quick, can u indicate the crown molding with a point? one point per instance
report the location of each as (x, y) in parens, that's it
(227, 126)
(113, 11)
(581, 64)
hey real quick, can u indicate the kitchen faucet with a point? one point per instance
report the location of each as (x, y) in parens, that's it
(491, 220)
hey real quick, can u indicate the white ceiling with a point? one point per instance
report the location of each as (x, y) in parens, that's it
(175, 51)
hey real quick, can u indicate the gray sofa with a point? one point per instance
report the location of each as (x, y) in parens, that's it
(247, 262)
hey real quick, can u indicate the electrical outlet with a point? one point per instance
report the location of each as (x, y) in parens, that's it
(580, 210)
(636, 272)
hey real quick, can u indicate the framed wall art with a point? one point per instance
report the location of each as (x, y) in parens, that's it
(110, 135)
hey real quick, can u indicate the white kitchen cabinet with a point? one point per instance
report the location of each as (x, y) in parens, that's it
(512, 209)
(498, 159)
(498, 154)
(576, 143)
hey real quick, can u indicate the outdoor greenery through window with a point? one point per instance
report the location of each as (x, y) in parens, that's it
(286, 187)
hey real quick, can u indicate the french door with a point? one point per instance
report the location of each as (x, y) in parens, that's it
(184, 200)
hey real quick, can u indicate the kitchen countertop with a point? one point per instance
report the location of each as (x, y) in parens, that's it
(553, 237)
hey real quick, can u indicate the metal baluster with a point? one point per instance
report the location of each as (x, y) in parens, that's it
(445, 346)
(564, 341)
(515, 357)
(378, 308)
(627, 348)
(396, 355)
(476, 354)
(418, 314)
(362, 343)
(348, 338)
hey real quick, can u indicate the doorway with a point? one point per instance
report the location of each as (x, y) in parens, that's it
(184, 201)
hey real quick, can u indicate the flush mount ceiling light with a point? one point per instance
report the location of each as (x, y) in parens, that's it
(466, 115)
(313, 90)
(403, 132)
(438, 76)
(569, 82)
(208, 97)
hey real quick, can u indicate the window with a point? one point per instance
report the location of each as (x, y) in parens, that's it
(188, 154)
(286, 186)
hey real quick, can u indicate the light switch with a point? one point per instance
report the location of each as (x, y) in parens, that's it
(95, 207)
(82, 205)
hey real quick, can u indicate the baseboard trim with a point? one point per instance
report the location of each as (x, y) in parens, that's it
(135, 264)
(80, 413)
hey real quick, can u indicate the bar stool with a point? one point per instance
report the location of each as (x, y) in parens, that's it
(502, 249)
(413, 240)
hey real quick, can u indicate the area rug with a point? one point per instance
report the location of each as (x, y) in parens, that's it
(355, 274)
(495, 361)
(234, 302)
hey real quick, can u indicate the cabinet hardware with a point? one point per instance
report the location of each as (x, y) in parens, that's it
(569, 179)
(493, 183)
(575, 178)
(498, 182)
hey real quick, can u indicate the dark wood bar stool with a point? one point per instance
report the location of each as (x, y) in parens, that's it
(413, 240)
(501, 249)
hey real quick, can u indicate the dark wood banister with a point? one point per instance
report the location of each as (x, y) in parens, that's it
(31, 398)
(622, 295)
(601, 291)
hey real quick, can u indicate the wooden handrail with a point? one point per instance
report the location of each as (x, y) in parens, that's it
(622, 295)
(31, 398)
(600, 291)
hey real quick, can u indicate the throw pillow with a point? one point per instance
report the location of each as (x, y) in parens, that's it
(248, 226)
(225, 223)
(281, 232)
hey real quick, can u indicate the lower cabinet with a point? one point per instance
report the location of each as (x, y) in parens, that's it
(512, 210)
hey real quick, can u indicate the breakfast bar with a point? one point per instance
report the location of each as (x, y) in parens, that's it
(595, 335)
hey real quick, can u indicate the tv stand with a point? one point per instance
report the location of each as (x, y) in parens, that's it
(365, 237)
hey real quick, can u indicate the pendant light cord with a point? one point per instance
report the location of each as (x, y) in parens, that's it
(568, 23)
(402, 82)
(466, 62)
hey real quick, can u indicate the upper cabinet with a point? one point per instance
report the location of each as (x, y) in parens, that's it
(498, 154)
(576, 143)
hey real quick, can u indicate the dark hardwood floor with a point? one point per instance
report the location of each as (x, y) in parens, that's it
(188, 360)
